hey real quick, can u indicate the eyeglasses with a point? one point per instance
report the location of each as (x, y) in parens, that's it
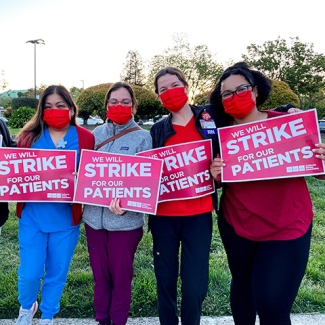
(123, 102)
(241, 91)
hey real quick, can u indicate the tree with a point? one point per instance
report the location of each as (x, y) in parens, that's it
(280, 94)
(5, 101)
(198, 65)
(3, 82)
(298, 65)
(30, 92)
(133, 71)
(75, 92)
(203, 98)
(91, 100)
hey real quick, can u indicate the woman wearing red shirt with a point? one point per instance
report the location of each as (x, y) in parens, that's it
(265, 225)
(182, 222)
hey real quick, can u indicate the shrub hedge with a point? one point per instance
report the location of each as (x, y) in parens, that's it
(91, 101)
(24, 102)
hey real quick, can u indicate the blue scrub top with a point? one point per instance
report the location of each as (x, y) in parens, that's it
(48, 216)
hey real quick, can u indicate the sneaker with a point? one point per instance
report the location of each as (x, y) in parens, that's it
(26, 315)
(46, 322)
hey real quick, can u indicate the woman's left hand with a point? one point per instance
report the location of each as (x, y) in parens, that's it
(115, 207)
(294, 110)
(216, 168)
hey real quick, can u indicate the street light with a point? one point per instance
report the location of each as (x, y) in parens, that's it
(83, 84)
(36, 41)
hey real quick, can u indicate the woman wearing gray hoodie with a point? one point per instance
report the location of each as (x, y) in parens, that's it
(112, 233)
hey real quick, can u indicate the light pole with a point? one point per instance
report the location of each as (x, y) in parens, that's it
(83, 84)
(36, 41)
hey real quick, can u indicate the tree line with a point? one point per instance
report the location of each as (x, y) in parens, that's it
(293, 64)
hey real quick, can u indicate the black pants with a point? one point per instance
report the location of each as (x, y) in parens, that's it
(194, 233)
(265, 275)
(4, 213)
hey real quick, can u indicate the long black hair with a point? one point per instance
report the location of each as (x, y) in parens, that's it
(253, 77)
(35, 126)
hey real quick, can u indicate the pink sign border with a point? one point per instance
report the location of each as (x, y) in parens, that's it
(127, 209)
(182, 144)
(279, 177)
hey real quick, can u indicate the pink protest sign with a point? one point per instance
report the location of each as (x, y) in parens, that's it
(134, 180)
(278, 147)
(186, 170)
(36, 175)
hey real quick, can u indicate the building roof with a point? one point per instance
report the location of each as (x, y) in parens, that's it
(13, 93)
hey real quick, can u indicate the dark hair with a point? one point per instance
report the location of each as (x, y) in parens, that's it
(118, 85)
(169, 70)
(253, 77)
(35, 126)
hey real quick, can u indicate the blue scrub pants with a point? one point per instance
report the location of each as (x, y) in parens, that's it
(48, 256)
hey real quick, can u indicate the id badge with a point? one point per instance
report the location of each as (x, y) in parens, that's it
(207, 123)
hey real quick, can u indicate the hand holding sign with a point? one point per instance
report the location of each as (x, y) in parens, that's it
(216, 168)
(115, 207)
(104, 177)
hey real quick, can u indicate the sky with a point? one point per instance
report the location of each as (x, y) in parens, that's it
(86, 42)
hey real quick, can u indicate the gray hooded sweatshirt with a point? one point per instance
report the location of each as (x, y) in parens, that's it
(129, 144)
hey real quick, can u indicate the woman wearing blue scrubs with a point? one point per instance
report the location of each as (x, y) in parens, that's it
(48, 232)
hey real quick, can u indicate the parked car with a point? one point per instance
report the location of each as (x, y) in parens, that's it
(91, 121)
(150, 123)
(321, 124)
(160, 118)
(140, 122)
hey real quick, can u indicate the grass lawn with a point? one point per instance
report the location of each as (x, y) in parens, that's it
(78, 294)
(14, 131)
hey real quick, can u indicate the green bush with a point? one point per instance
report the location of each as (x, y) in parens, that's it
(281, 94)
(23, 102)
(91, 101)
(21, 116)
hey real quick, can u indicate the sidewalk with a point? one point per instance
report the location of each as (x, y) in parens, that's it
(297, 319)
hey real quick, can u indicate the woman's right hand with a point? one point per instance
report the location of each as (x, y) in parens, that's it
(115, 207)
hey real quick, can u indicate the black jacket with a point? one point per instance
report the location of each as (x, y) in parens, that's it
(6, 142)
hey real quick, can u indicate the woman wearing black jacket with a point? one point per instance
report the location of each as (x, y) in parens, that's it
(6, 142)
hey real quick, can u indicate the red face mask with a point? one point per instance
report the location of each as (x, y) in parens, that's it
(174, 99)
(57, 118)
(119, 114)
(239, 107)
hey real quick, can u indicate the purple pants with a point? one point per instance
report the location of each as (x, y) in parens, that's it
(111, 255)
